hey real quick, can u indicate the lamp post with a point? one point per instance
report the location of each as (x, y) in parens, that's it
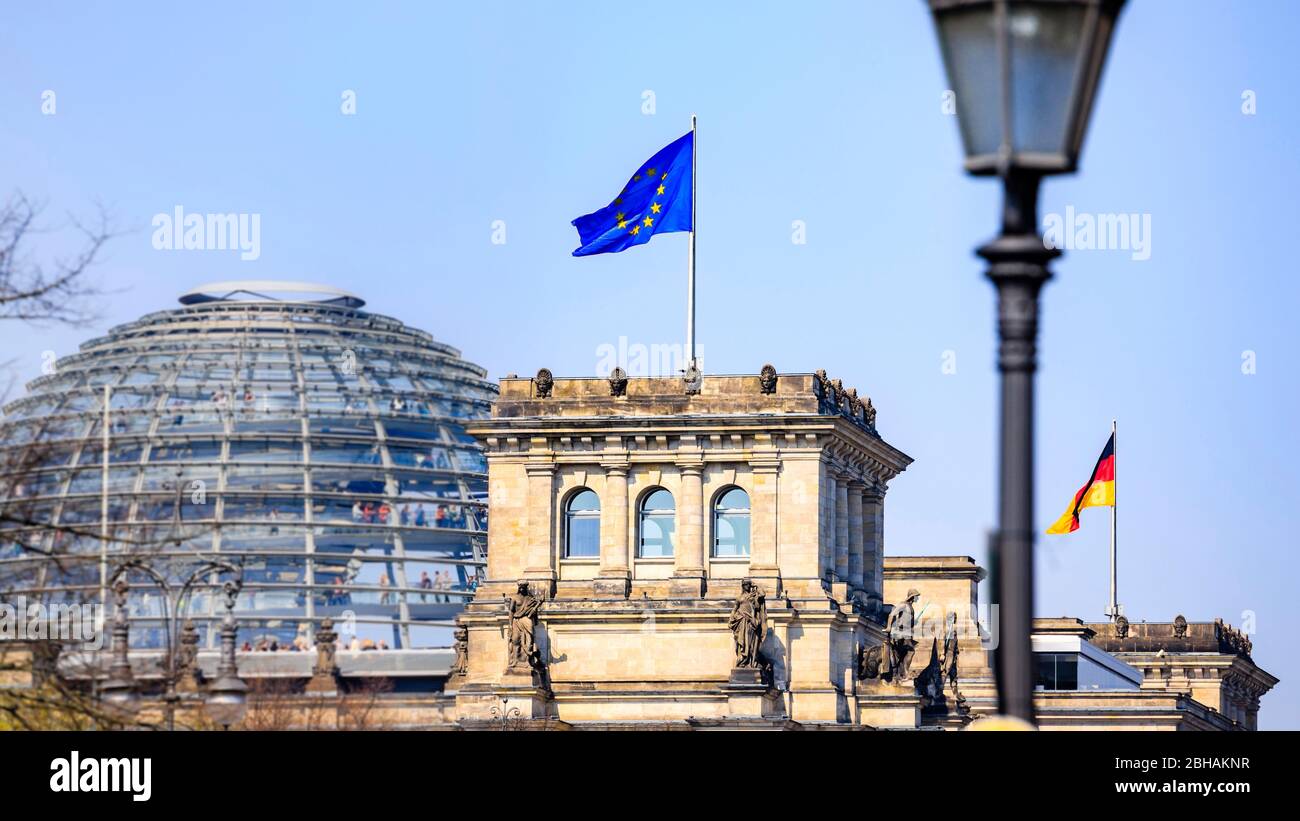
(1025, 73)
(225, 702)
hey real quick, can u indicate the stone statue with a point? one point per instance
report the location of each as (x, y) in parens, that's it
(1121, 627)
(748, 623)
(460, 665)
(869, 662)
(522, 608)
(900, 630)
(948, 663)
(1180, 627)
(767, 379)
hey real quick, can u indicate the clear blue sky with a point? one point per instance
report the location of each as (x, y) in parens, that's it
(828, 113)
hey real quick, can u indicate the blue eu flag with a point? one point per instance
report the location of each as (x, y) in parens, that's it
(655, 201)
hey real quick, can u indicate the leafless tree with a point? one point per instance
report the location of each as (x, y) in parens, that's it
(35, 288)
(36, 291)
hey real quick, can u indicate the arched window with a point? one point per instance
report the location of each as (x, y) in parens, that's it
(658, 525)
(731, 524)
(582, 525)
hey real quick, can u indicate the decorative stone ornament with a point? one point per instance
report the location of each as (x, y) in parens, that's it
(187, 662)
(855, 404)
(618, 382)
(692, 380)
(767, 379)
(1180, 627)
(544, 382)
(325, 672)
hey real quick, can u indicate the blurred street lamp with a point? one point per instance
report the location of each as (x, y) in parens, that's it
(1025, 73)
(118, 692)
(225, 701)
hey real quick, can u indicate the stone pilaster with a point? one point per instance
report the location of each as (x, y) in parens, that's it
(841, 528)
(856, 563)
(764, 564)
(873, 541)
(688, 570)
(826, 530)
(540, 565)
(614, 578)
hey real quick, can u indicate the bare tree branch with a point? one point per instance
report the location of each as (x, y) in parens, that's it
(31, 293)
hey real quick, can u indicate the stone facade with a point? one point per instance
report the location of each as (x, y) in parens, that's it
(622, 639)
(1195, 675)
(1207, 661)
(633, 638)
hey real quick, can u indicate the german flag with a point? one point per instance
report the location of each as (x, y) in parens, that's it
(1098, 492)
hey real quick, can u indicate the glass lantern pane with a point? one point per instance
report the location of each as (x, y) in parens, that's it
(969, 41)
(1045, 41)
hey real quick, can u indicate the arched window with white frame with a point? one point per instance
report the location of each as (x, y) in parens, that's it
(731, 524)
(658, 525)
(582, 525)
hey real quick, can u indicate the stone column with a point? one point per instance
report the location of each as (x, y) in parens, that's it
(614, 577)
(826, 531)
(688, 569)
(540, 564)
(841, 528)
(764, 565)
(856, 564)
(873, 541)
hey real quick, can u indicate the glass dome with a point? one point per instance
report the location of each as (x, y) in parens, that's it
(318, 445)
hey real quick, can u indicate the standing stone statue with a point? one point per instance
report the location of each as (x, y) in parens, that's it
(948, 664)
(748, 623)
(900, 633)
(460, 665)
(522, 608)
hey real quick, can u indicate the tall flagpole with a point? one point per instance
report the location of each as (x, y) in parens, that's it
(1114, 590)
(690, 263)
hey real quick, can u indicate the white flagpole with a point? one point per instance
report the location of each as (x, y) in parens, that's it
(690, 263)
(1114, 590)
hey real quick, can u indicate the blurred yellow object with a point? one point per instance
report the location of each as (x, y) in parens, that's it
(1001, 724)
